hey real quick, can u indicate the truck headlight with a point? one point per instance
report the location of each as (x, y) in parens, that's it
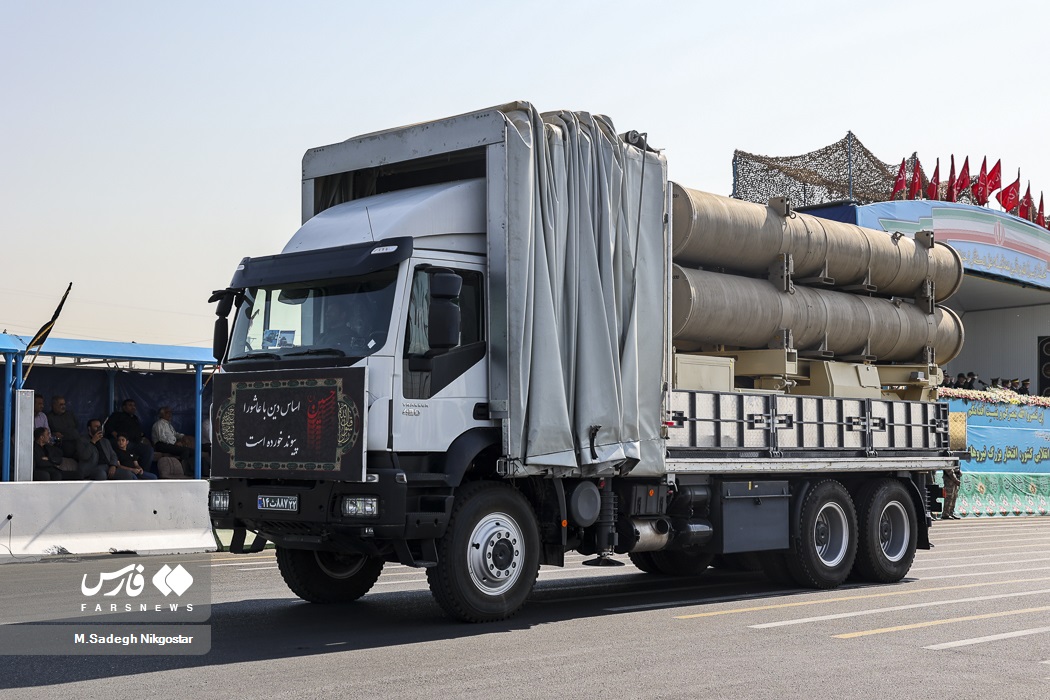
(219, 501)
(361, 506)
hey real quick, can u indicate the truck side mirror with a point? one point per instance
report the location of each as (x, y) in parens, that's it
(220, 338)
(225, 299)
(221, 335)
(444, 317)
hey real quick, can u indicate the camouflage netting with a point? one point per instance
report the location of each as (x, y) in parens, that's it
(824, 175)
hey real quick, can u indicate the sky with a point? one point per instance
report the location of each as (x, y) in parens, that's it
(145, 148)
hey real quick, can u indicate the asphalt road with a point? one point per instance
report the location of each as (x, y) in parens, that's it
(972, 620)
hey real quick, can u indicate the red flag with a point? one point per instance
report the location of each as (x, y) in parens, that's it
(950, 196)
(916, 182)
(933, 189)
(1009, 194)
(1025, 210)
(1039, 218)
(963, 183)
(980, 190)
(900, 183)
(995, 180)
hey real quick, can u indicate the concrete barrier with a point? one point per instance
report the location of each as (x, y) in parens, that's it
(97, 517)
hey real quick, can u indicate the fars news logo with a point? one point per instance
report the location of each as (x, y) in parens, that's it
(131, 582)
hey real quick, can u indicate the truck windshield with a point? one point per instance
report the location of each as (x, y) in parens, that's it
(341, 317)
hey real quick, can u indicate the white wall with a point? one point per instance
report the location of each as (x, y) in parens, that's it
(1002, 343)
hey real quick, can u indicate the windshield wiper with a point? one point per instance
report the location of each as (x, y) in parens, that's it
(257, 356)
(318, 351)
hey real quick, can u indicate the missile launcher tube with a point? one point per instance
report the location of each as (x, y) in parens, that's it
(714, 231)
(709, 308)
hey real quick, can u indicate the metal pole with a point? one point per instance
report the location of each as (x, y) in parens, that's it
(197, 428)
(19, 379)
(5, 469)
(112, 375)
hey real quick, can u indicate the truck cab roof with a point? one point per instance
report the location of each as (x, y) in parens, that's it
(448, 216)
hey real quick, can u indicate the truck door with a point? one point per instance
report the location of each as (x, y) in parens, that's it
(442, 383)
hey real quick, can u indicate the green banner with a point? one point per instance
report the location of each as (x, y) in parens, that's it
(985, 495)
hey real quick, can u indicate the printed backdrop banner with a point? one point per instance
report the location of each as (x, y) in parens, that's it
(986, 495)
(1005, 438)
(988, 241)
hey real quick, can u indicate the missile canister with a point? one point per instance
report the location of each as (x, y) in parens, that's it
(709, 308)
(713, 231)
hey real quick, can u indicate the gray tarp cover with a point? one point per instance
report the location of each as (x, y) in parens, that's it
(586, 332)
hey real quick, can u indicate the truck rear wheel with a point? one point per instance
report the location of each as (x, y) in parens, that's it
(826, 547)
(328, 577)
(644, 561)
(489, 557)
(888, 532)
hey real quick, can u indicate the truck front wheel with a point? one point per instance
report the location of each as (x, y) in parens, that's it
(888, 532)
(488, 558)
(328, 577)
(826, 547)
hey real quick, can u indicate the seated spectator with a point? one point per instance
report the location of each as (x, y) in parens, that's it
(971, 381)
(39, 417)
(169, 441)
(1024, 389)
(958, 382)
(126, 422)
(126, 460)
(47, 458)
(106, 458)
(63, 425)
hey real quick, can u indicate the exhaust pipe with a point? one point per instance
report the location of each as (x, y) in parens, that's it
(644, 535)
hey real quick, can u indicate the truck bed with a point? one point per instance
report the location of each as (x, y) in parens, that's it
(776, 432)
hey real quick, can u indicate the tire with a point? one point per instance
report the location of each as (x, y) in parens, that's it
(826, 547)
(489, 557)
(682, 562)
(888, 532)
(644, 561)
(328, 577)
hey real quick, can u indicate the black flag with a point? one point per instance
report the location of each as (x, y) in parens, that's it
(45, 330)
(41, 335)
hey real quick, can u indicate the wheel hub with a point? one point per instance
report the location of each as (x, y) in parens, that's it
(495, 553)
(894, 531)
(831, 534)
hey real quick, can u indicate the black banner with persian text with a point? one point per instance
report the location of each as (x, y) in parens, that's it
(305, 424)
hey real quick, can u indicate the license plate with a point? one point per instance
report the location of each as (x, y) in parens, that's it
(285, 503)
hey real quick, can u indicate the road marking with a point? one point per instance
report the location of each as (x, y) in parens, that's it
(989, 638)
(983, 563)
(974, 539)
(268, 554)
(935, 623)
(840, 599)
(934, 558)
(875, 611)
(697, 601)
(259, 568)
(985, 573)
